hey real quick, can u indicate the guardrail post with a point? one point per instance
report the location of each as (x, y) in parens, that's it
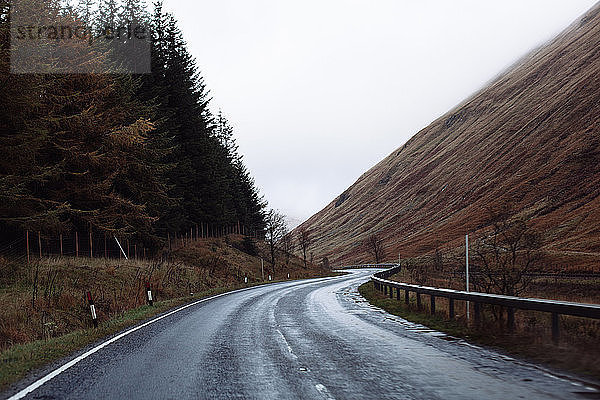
(555, 327)
(510, 303)
(511, 318)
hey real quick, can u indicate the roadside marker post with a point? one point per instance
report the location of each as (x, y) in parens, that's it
(149, 294)
(467, 272)
(92, 309)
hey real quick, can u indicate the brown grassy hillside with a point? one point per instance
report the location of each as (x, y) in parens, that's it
(530, 139)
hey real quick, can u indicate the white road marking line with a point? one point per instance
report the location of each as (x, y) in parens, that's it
(289, 348)
(85, 355)
(323, 390)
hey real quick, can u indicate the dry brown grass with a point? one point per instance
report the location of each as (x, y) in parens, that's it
(46, 298)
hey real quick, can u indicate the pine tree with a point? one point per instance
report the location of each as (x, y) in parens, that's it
(133, 12)
(108, 14)
(86, 10)
(130, 155)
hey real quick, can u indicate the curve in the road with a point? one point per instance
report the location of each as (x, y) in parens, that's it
(315, 339)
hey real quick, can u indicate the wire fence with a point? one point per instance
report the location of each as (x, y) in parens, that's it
(31, 245)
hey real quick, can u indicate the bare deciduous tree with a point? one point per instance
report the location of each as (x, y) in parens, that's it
(275, 230)
(304, 240)
(374, 245)
(506, 256)
(287, 245)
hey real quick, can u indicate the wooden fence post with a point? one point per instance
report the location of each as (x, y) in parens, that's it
(451, 308)
(91, 243)
(27, 238)
(76, 244)
(61, 244)
(40, 243)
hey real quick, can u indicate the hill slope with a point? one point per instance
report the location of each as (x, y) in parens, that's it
(531, 139)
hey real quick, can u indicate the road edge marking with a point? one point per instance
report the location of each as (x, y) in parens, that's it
(35, 385)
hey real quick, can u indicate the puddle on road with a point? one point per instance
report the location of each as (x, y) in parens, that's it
(365, 308)
(450, 338)
(353, 297)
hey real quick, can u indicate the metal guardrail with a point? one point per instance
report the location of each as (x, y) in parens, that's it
(363, 266)
(555, 307)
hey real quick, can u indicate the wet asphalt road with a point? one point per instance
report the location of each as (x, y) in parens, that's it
(302, 340)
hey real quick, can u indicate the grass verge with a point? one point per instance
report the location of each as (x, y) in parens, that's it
(569, 356)
(17, 361)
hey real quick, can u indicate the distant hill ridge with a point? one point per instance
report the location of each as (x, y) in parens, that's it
(531, 138)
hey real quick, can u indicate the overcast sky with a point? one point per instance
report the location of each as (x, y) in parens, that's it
(319, 91)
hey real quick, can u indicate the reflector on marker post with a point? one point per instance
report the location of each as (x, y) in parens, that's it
(149, 294)
(92, 309)
(246, 280)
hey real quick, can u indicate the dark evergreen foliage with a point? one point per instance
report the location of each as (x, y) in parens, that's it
(130, 155)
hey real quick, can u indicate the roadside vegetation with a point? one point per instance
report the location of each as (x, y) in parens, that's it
(577, 351)
(507, 259)
(45, 315)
